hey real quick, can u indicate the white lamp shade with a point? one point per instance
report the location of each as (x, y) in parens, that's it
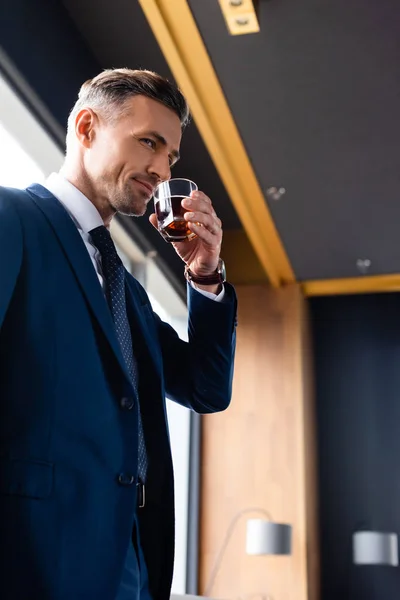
(375, 548)
(267, 537)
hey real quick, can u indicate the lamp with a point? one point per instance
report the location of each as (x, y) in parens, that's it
(264, 536)
(375, 548)
(267, 537)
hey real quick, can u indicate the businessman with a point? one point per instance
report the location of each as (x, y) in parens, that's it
(86, 479)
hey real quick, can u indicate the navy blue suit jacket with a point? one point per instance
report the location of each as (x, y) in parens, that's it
(66, 431)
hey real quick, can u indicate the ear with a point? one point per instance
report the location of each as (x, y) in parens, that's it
(85, 125)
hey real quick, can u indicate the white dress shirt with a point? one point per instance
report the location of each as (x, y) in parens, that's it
(83, 212)
(86, 217)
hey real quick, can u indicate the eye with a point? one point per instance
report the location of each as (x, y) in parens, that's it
(149, 142)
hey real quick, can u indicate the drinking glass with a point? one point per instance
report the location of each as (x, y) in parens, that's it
(168, 197)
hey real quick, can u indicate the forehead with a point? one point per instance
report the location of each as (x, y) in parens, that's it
(145, 114)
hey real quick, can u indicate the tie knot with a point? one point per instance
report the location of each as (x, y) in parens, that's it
(103, 241)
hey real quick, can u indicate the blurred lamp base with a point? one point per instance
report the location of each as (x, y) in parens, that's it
(375, 548)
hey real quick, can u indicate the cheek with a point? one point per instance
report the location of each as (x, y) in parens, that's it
(135, 155)
(115, 158)
(103, 158)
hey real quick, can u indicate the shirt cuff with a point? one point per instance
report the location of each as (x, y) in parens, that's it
(216, 297)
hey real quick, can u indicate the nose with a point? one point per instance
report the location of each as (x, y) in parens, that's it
(160, 168)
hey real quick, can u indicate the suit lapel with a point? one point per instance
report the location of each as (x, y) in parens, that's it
(142, 327)
(80, 262)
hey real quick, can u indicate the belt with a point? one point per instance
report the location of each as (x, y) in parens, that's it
(141, 494)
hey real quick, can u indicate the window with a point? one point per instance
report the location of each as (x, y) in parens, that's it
(17, 168)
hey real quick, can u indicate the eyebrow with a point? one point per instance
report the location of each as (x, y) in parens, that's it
(163, 141)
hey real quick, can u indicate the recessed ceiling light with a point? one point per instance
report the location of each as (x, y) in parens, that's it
(363, 264)
(275, 193)
(242, 21)
(241, 16)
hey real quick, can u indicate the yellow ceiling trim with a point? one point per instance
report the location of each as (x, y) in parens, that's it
(357, 285)
(180, 41)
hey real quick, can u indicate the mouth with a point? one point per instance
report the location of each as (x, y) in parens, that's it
(146, 186)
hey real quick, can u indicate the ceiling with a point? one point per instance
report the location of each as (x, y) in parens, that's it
(313, 100)
(316, 96)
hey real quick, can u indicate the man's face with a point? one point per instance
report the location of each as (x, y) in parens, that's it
(126, 159)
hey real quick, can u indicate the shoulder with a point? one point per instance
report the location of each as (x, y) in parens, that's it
(17, 208)
(11, 238)
(12, 201)
(10, 225)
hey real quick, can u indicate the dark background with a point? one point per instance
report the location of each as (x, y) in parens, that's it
(357, 359)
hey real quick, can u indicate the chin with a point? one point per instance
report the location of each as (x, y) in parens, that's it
(132, 210)
(131, 206)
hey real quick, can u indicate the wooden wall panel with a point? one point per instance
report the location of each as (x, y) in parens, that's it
(260, 452)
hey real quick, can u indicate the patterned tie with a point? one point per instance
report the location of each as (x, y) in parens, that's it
(114, 275)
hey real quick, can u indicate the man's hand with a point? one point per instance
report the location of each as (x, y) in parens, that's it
(201, 254)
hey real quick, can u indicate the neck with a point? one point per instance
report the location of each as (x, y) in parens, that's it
(82, 182)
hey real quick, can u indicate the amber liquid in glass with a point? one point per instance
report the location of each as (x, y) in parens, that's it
(171, 223)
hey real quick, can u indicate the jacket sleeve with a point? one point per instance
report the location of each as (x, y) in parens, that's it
(10, 251)
(198, 373)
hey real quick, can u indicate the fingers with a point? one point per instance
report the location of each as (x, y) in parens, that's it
(210, 240)
(212, 223)
(202, 218)
(153, 220)
(198, 202)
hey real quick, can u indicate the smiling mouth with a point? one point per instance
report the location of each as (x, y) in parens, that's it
(145, 186)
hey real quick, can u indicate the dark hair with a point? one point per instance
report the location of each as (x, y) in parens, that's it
(113, 87)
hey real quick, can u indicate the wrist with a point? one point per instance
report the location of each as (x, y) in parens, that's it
(215, 288)
(214, 279)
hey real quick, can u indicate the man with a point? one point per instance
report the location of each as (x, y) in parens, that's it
(86, 481)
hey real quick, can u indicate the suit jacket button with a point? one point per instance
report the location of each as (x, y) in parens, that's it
(127, 403)
(126, 479)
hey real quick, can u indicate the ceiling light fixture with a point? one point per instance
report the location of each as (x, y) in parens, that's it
(363, 265)
(241, 16)
(274, 193)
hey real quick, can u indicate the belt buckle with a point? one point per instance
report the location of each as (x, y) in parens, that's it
(141, 491)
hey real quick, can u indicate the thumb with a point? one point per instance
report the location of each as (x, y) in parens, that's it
(153, 220)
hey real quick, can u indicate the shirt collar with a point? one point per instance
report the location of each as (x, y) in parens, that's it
(81, 209)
